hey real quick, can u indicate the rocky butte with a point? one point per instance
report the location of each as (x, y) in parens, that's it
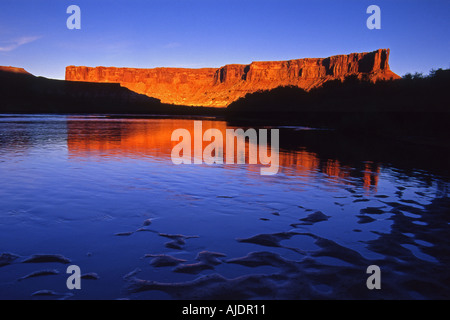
(219, 87)
(14, 70)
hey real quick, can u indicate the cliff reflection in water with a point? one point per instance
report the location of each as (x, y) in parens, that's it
(103, 192)
(151, 138)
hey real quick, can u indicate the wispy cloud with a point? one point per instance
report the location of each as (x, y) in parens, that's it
(6, 46)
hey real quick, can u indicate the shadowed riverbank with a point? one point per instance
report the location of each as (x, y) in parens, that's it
(412, 109)
(23, 93)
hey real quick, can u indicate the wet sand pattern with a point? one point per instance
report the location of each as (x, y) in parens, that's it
(305, 277)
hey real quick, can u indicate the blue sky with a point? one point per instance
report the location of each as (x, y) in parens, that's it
(212, 33)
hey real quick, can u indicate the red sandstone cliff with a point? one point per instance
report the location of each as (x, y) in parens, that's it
(14, 70)
(220, 87)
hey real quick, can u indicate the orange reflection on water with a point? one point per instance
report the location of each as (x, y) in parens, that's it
(117, 138)
(151, 138)
(371, 176)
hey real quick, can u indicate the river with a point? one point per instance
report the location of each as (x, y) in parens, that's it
(103, 192)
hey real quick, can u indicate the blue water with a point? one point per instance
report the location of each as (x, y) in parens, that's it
(70, 184)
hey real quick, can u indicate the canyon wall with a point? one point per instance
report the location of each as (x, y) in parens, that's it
(22, 92)
(219, 87)
(14, 70)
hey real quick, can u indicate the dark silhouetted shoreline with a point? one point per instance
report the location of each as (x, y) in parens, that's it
(411, 109)
(414, 108)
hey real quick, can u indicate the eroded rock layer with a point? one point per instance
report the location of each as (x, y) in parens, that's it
(219, 87)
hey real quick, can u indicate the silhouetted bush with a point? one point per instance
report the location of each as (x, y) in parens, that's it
(414, 107)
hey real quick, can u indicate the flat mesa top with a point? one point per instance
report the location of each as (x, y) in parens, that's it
(387, 51)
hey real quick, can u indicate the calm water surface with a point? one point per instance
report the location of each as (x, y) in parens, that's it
(86, 187)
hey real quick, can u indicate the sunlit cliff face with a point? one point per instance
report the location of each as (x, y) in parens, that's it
(14, 70)
(150, 140)
(219, 87)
